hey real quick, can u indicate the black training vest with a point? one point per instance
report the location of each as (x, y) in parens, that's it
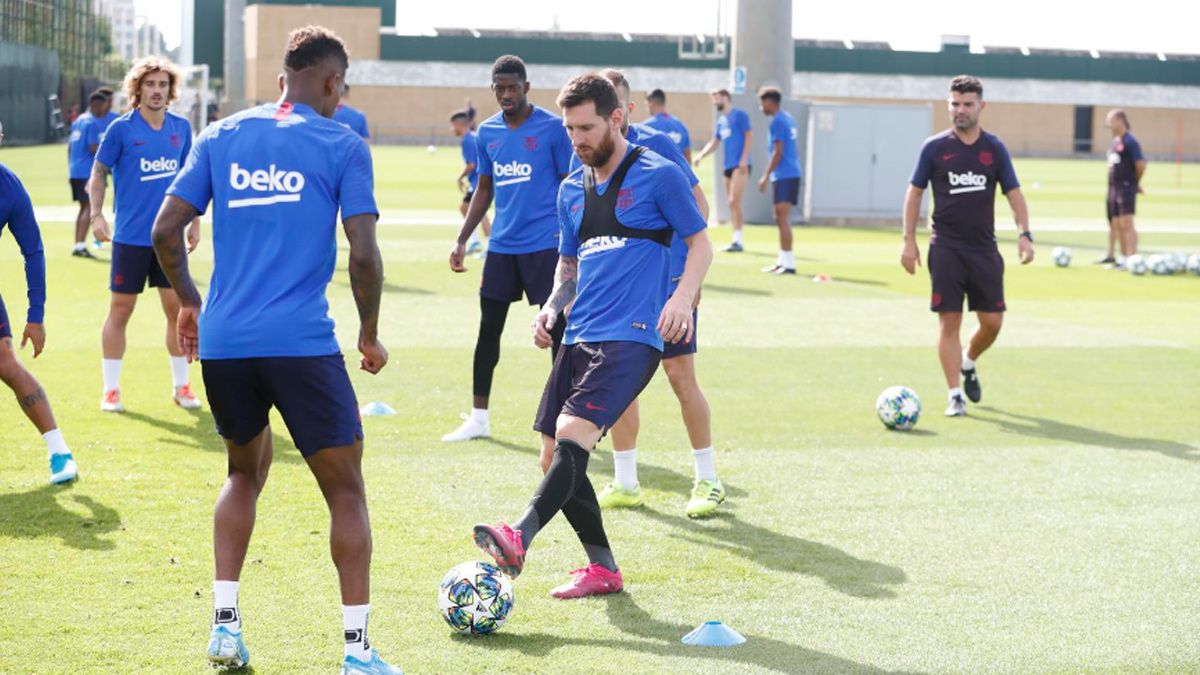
(600, 211)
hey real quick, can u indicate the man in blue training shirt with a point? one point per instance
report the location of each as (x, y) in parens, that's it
(964, 163)
(352, 117)
(678, 358)
(783, 171)
(617, 215)
(733, 132)
(460, 124)
(277, 176)
(661, 120)
(143, 149)
(522, 155)
(16, 212)
(1126, 165)
(81, 152)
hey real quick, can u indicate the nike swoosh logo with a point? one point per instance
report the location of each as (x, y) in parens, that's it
(141, 143)
(589, 406)
(946, 157)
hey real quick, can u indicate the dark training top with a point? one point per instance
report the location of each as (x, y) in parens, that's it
(1123, 156)
(964, 181)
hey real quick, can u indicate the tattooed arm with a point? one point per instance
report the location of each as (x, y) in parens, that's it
(366, 281)
(169, 246)
(96, 186)
(566, 279)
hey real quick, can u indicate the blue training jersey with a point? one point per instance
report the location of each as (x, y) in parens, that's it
(79, 159)
(16, 212)
(623, 281)
(277, 176)
(143, 163)
(783, 128)
(673, 128)
(469, 146)
(96, 132)
(731, 129)
(353, 118)
(526, 165)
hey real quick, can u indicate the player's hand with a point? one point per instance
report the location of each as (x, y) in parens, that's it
(193, 236)
(1141, 190)
(374, 354)
(696, 162)
(35, 333)
(762, 184)
(1025, 249)
(910, 257)
(457, 255)
(543, 323)
(462, 186)
(187, 330)
(100, 229)
(675, 321)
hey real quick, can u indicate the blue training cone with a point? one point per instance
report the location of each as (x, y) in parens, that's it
(713, 634)
(376, 409)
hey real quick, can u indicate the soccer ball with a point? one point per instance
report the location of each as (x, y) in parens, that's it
(1193, 264)
(1062, 256)
(1177, 261)
(898, 408)
(476, 598)
(431, 149)
(1136, 264)
(1158, 264)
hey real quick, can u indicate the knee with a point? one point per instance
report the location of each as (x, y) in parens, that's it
(119, 314)
(10, 368)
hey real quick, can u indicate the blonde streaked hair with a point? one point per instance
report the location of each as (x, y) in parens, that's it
(144, 67)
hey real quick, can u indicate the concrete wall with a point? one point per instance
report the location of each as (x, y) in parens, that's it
(1156, 129)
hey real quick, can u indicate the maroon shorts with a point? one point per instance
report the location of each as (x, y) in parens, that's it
(977, 273)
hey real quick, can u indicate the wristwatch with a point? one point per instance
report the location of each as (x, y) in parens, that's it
(1027, 234)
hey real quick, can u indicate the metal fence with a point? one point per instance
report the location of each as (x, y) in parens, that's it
(68, 27)
(29, 76)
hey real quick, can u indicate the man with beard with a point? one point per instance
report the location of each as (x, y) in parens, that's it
(733, 131)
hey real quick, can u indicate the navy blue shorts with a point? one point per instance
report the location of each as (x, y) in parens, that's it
(1122, 200)
(595, 381)
(467, 197)
(729, 172)
(977, 273)
(132, 266)
(79, 190)
(5, 329)
(787, 190)
(506, 276)
(673, 349)
(312, 393)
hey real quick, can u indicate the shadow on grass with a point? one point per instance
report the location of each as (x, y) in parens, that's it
(1038, 427)
(655, 637)
(41, 513)
(203, 434)
(734, 290)
(839, 570)
(860, 282)
(389, 288)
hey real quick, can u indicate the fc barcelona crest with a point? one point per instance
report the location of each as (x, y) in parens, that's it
(174, 140)
(985, 158)
(531, 143)
(625, 198)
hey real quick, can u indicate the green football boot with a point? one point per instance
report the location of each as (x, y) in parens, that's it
(614, 496)
(706, 494)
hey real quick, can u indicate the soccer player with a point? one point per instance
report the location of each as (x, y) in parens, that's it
(81, 152)
(964, 163)
(352, 117)
(1126, 165)
(460, 123)
(661, 120)
(143, 149)
(677, 359)
(264, 335)
(733, 130)
(521, 157)
(617, 216)
(783, 172)
(16, 211)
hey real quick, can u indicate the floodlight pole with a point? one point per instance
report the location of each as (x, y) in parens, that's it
(235, 55)
(764, 53)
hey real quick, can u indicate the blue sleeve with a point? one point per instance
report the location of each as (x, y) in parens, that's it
(483, 161)
(743, 122)
(686, 141)
(924, 169)
(92, 132)
(673, 196)
(568, 243)
(1135, 150)
(673, 153)
(187, 141)
(363, 129)
(563, 152)
(25, 230)
(109, 152)
(356, 192)
(193, 184)
(468, 150)
(1006, 176)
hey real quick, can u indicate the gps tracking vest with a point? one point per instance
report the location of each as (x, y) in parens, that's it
(600, 211)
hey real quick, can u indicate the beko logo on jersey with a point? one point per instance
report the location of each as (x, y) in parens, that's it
(513, 172)
(675, 137)
(156, 169)
(967, 182)
(286, 185)
(596, 245)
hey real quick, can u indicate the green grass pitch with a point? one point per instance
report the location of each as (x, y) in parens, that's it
(1053, 530)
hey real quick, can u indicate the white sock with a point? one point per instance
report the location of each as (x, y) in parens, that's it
(625, 468)
(706, 468)
(957, 391)
(179, 370)
(787, 259)
(112, 374)
(479, 415)
(354, 624)
(225, 606)
(737, 236)
(55, 443)
(79, 246)
(968, 362)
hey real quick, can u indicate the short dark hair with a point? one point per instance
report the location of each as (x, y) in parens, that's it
(509, 65)
(106, 91)
(460, 115)
(308, 46)
(721, 92)
(590, 87)
(772, 94)
(657, 97)
(617, 78)
(97, 97)
(967, 84)
(1118, 112)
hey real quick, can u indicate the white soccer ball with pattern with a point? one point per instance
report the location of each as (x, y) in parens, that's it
(1193, 264)
(1136, 264)
(1061, 256)
(1158, 264)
